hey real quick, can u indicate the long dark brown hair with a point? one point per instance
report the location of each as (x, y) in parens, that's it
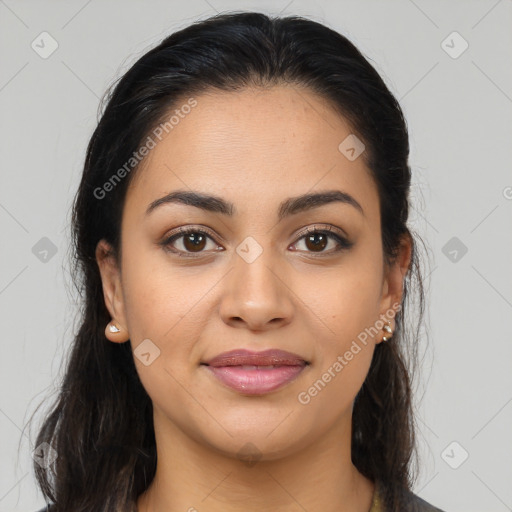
(101, 423)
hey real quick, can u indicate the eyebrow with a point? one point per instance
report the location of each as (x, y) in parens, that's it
(290, 206)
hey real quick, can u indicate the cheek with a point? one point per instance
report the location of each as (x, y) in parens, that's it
(162, 297)
(331, 390)
(162, 305)
(343, 304)
(344, 300)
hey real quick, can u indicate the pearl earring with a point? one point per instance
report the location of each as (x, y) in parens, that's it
(388, 330)
(113, 328)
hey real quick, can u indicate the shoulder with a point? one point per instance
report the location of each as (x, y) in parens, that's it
(409, 502)
(416, 504)
(47, 508)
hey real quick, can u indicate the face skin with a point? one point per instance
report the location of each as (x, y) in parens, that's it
(255, 148)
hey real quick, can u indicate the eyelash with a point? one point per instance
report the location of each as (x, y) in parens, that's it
(343, 243)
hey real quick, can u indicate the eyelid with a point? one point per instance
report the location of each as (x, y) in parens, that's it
(322, 228)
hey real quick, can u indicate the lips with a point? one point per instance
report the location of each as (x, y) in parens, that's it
(270, 357)
(256, 373)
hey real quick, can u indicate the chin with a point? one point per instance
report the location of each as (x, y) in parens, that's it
(258, 444)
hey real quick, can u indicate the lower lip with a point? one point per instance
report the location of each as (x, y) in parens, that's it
(257, 381)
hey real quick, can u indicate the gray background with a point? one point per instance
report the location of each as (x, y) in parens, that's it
(459, 112)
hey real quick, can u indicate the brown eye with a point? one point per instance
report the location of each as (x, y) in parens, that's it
(188, 242)
(316, 241)
(194, 242)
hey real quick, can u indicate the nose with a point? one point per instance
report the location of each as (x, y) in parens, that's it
(256, 295)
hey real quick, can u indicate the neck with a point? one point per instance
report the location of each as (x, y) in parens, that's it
(193, 477)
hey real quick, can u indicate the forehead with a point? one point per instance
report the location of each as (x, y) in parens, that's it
(254, 146)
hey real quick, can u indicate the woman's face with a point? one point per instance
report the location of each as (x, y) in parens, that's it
(255, 280)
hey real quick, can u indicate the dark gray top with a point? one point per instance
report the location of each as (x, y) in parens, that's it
(414, 504)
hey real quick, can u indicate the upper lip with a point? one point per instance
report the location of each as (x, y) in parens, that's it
(269, 357)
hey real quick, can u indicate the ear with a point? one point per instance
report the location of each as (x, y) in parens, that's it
(395, 273)
(112, 291)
